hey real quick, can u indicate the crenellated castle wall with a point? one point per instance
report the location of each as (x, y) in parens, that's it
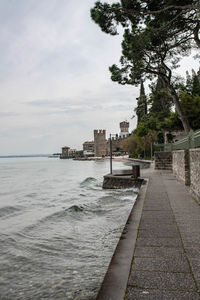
(100, 147)
(117, 143)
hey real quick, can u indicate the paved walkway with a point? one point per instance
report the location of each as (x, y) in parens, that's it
(166, 260)
(162, 241)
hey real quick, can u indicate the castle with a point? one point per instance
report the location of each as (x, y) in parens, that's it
(101, 146)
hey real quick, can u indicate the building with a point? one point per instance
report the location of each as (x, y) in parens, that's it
(124, 129)
(67, 153)
(72, 152)
(88, 148)
(102, 145)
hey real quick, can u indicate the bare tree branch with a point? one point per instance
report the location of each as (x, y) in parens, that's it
(196, 34)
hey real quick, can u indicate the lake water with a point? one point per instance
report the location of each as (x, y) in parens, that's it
(58, 228)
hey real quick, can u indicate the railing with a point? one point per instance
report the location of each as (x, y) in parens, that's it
(192, 140)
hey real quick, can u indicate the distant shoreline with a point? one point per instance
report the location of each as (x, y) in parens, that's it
(24, 155)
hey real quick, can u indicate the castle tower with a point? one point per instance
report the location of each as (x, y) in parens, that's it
(124, 129)
(100, 143)
(65, 152)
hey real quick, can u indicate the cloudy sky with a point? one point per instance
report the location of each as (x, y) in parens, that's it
(55, 86)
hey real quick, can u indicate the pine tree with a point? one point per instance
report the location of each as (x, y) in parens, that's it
(153, 43)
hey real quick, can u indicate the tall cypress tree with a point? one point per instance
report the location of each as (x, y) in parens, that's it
(196, 86)
(160, 100)
(141, 109)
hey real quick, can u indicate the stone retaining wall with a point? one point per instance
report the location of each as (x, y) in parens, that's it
(180, 166)
(185, 166)
(195, 172)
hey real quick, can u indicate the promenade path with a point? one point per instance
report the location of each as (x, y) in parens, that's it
(161, 243)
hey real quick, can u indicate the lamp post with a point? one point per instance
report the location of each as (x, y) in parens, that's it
(151, 151)
(110, 153)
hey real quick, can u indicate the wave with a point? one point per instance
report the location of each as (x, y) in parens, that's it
(9, 210)
(88, 181)
(76, 208)
(70, 212)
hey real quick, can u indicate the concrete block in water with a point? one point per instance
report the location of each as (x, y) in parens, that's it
(120, 182)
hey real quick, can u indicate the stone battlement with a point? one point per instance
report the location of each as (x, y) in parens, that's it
(100, 131)
(119, 138)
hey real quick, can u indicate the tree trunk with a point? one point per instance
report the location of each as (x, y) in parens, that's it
(181, 115)
(196, 35)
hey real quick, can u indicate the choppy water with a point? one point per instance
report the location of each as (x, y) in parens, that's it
(58, 228)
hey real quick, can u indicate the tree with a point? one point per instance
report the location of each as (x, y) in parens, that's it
(160, 100)
(141, 109)
(191, 108)
(189, 95)
(178, 17)
(145, 54)
(136, 145)
(196, 86)
(192, 86)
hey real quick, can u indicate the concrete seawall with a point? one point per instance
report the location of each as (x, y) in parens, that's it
(121, 179)
(115, 281)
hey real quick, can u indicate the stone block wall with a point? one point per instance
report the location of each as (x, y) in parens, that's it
(180, 166)
(185, 166)
(195, 172)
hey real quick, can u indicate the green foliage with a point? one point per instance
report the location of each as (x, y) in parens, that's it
(189, 95)
(147, 124)
(142, 129)
(160, 138)
(196, 86)
(108, 17)
(191, 108)
(160, 100)
(136, 145)
(173, 122)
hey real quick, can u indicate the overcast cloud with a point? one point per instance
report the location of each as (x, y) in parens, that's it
(55, 86)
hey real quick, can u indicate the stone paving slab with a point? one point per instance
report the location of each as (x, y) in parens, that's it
(163, 222)
(156, 232)
(195, 265)
(147, 294)
(166, 264)
(193, 252)
(162, 281)
(157, 214)
(156, 225)
(159, 242)
(158, 252)
(161, 219)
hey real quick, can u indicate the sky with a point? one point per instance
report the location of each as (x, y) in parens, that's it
(55, 86)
